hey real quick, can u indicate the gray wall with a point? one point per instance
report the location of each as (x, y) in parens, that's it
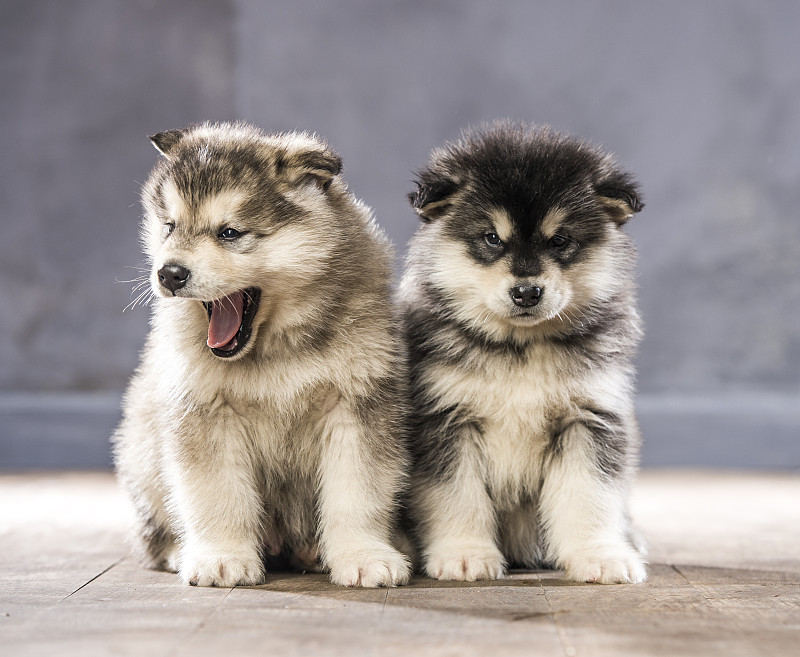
(701, 100)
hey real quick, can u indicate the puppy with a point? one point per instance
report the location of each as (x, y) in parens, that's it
(521, 325)
(264, 416)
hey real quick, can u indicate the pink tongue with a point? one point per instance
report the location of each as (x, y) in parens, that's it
(226, 318)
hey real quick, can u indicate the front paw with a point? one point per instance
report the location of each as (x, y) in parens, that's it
(465, 563)
(223, 568)
(370, 568)
(620, 565)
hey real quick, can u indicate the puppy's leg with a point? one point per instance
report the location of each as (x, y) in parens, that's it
(136, 456)
(583, 508)
(361, 474)
(456, 518)
(216, 498)
(159, 545)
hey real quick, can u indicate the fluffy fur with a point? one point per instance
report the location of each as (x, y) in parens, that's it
(263, 418)
(520, 321)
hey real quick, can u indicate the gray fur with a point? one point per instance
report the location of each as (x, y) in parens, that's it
(290, 441)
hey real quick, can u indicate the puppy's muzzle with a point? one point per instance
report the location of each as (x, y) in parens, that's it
(173, 277)
(526, 296)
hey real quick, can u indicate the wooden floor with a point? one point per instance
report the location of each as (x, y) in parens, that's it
(724, 580)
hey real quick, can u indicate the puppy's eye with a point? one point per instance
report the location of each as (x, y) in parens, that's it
(558, 241)
(492, 239)
(229, 234)
(167, 229)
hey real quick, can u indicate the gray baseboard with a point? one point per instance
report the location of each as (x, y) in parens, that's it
(732, 431)
(727, 431)
(57, 431)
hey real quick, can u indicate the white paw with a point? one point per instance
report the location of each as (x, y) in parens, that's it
(621, 565)
(223, 568)
(383, 566)
(465, 563)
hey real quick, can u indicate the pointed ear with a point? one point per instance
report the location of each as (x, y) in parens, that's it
(619, 194)
(316, 165)
(167, 140)
(433, 197)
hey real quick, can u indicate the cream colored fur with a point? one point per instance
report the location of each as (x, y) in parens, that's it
(276, 448)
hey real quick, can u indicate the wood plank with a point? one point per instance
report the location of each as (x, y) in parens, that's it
(57, 532)
(127, 610)
(290, 617)
(721, 519)
(725, 580)
(665, 616)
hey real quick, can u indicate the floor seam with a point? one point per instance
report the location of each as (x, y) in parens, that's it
(385, 600)
(568, 648)
(200, 625)
(39, 613)
(85, 584)
(713, 605)
(710, 601)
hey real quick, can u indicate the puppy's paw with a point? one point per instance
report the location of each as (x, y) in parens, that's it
(369, 568)
(607, 566)
(465, 563)
(224, 568)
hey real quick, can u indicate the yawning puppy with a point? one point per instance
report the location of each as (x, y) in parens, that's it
(264, 417)
(521, 324)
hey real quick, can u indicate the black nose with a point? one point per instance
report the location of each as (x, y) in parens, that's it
(525, 295)
(173, 277)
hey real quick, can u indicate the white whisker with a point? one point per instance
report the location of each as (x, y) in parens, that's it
(142, 299)
(138, 279)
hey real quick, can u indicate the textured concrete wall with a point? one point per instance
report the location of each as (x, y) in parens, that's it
(701, 100)
(83, 83)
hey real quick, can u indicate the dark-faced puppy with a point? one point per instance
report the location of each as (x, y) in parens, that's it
(520, 321)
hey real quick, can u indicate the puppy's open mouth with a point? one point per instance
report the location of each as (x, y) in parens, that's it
(230, 321)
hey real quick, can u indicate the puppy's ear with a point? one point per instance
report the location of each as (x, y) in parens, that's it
(619, 194)
(320, 166)
(433, 197)
(166, 141)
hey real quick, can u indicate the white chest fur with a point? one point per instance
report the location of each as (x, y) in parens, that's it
(518, 403)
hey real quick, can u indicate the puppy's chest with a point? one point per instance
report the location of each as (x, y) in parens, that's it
(518, 394)
(282, 436)
(517, 404)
